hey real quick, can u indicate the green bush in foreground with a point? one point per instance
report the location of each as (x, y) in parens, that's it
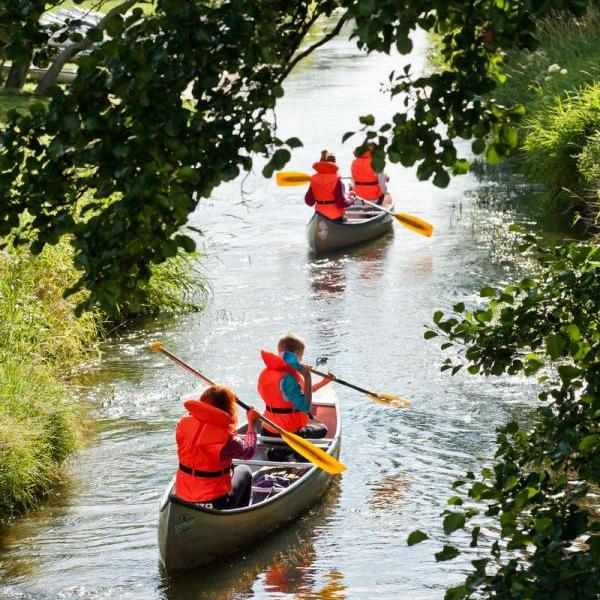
(534, 513)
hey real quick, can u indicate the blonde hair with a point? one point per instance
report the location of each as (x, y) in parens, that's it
(290, 342)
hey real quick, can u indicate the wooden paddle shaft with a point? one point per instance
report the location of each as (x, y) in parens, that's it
(205, 379)
(337, 380)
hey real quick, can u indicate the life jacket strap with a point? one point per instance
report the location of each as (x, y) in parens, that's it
(325, 201)
(197, 473)
(280, 411)
(366, 183)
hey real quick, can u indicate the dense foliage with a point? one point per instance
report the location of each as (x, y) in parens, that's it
(542, 490)
(559, 84)
(123, 131)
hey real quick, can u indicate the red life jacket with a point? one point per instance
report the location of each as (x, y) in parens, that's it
(278, 409)
(366, 184)
(202, 475)
(323, 184)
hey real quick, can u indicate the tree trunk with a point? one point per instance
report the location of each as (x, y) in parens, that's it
(70, 51)
(16, 76)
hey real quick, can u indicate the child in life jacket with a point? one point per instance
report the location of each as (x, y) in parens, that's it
(206, 445)
(326, 191)
(366, 183)
(285, 385)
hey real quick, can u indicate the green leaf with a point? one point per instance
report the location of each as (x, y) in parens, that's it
(415, 537)
(487, 292)
(555, 345)
(429, 334)
(367, 120)
(293, 142)
(453, 521)
(447, 553)
(589, 442)
(347, 136)
(456, 593)
(478, 146)
(441, 178)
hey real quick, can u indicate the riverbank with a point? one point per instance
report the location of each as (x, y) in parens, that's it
(42, 343)
(559, 83)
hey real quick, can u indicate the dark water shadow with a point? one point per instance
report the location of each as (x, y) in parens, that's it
(281, 563)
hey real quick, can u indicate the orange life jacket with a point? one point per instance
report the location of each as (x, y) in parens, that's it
(278, 409)
(366, 184)
(323, 184)
(201, 435)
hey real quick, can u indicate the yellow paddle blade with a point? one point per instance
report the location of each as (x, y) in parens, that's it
(156, 346)
(415, 224)
(390, 400)
(315, 455)
(289, 178)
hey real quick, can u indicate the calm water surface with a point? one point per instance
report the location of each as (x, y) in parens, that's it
(364, 309)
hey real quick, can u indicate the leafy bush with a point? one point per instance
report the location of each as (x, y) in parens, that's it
(542, 489)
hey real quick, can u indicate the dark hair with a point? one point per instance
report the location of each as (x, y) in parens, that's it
(221, 397)
(326, 156)
(290, 342)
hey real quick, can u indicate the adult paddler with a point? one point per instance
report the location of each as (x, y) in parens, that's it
(326, 191)
(366, 183)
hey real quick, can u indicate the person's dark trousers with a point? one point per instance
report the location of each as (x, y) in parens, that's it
(241, 487)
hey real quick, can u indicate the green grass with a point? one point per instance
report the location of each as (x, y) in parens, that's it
(41, 344)
(41, 341)
(559, 83)
(19, 101)
(105, 5)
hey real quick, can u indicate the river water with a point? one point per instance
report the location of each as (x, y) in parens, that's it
(365, 310)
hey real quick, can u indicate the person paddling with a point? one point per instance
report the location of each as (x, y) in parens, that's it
(326, 191)
(366, 183)
(286, 387)
(206, 445)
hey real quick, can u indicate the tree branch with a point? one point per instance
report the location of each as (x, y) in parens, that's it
(302, 55)
(68, 53)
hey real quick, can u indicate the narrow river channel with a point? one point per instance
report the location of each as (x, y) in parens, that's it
(365, 309)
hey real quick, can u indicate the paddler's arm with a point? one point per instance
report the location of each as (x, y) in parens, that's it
(321, 384)
(240, 448)
(309, 197)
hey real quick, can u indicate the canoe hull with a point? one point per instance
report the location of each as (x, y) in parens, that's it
(189, 536)
(325, 235)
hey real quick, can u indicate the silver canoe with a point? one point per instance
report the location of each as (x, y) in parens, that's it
(189, 535)
(364, 223)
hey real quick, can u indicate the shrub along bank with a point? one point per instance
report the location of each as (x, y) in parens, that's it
(559, 83)
(41, 342)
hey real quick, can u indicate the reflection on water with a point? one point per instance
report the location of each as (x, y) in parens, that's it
(280, 563)
(389, 491)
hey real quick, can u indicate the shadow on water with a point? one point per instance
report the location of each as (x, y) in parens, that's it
(280, 564)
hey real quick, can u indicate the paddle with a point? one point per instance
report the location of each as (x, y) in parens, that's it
(291, 178)
(386, 399)
(312, 453)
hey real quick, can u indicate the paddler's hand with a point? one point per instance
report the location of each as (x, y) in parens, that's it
(252, 416)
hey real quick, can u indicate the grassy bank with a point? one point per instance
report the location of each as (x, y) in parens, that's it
(42, 343)
(560, 85)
